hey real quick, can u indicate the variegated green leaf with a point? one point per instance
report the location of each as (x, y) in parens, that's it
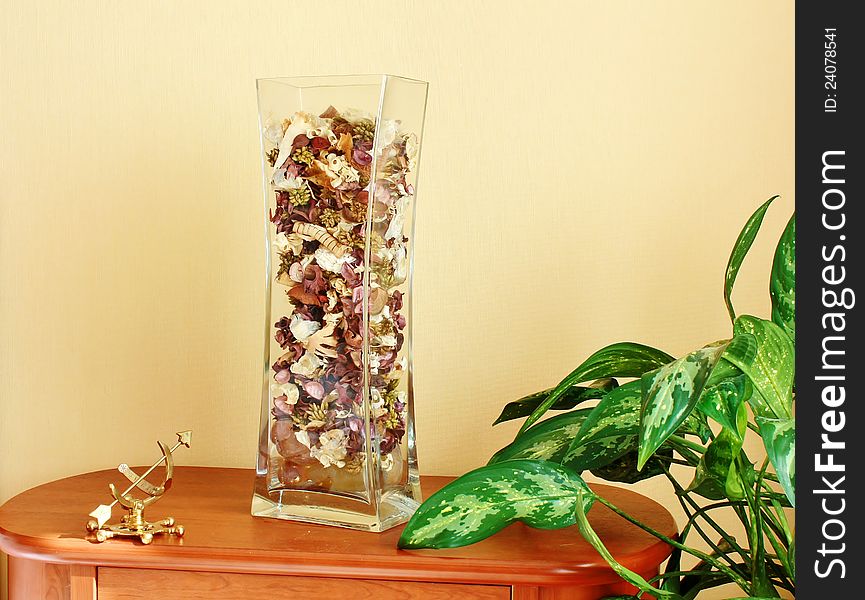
(721, 401)
(740, 249)
(779, 438)
(568, 400)
(696, 424)
(480, 503)
(723, 370)
(624, 359)
(743, 350)
(766, 355)
(547, 440)
(609, 431)
(589, 534)
(717, 477)
(782, 284)
(624, 469)
(669, 396)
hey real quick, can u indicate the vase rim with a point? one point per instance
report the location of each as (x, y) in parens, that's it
(310, 81)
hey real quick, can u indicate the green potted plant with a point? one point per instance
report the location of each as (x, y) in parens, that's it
(694, 411)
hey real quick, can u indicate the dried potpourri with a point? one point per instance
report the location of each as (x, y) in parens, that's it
(325, 194)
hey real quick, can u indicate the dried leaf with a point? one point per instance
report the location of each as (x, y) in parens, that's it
(330, 113)
(345, 145)
(315, 174)
(322, 341)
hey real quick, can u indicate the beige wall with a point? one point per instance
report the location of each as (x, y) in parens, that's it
(586, 169)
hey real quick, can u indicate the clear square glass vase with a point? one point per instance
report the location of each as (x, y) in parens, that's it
(339, 167)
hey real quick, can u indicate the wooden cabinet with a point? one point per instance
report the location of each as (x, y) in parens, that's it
(228, 555)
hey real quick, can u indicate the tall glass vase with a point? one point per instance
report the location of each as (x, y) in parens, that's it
(340, 164)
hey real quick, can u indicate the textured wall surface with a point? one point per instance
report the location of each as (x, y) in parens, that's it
(586, 168)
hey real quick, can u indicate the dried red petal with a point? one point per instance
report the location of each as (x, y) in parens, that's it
(319, 143)
(361, 157)
(300, 141)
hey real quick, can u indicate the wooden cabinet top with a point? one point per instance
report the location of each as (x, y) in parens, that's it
(47, 523)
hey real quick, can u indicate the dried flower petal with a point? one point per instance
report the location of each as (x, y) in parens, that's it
(319, 143)
(301, 295)
(322, 342)
(306, 365)
(360, 157)
(321, 168)
(302, 328)
(314, 389)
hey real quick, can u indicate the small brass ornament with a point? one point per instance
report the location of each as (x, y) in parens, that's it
(133, 523)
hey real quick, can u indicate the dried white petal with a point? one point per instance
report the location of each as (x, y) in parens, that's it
(289, 390)
(302, 328)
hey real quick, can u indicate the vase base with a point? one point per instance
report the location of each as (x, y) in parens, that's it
(395, 507)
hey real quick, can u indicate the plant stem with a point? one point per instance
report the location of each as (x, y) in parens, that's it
(782, 518)
(733, 575)
(661, 576)
(688, 443)
(682, 497)
(763, 510)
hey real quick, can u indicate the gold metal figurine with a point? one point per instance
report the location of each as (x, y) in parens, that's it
(133, 523)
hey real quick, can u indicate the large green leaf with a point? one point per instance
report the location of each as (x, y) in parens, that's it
(550, 439)
(669, 396)
(779, 438)
(743, 350)
(766, 355)
(721, 401)
(568, 400)
(547, 440)
(740, 249)
(473, 507)
(782, 284)
(624, 359)
(609, 432)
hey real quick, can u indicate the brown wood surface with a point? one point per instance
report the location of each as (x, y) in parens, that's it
(141, 584)
(32, 579)
(82, 582)
(46, 523)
